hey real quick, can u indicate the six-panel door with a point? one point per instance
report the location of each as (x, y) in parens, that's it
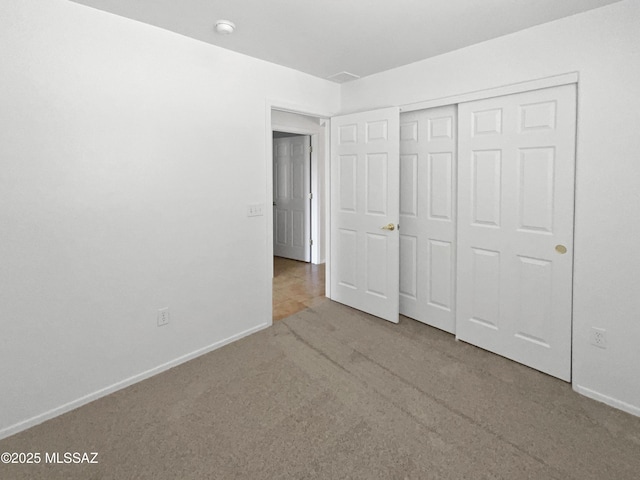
(364, 211)
(515, 226)
(428, 216)
(291, 187)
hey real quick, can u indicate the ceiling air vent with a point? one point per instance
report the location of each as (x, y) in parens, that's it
(343, 77)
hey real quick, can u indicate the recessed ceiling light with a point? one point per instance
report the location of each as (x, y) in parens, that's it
(225, 27)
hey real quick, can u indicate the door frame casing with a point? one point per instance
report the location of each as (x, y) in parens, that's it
(324, 117)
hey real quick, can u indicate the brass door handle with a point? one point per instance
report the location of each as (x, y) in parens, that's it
(390, 227)
(561, 249)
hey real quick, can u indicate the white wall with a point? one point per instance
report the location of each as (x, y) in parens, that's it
(293, 122)
(603, 45)
(126, 153)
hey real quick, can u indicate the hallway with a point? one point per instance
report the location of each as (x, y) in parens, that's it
(296, 286)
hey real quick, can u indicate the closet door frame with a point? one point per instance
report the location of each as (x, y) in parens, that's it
(553, 81)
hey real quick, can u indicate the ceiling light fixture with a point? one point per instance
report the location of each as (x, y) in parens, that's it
(225, 27)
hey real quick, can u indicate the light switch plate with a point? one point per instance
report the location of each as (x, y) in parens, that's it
(255, 210)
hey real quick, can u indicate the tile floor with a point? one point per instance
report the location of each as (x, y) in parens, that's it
(296, 286)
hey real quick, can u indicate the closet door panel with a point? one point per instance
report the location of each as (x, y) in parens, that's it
(428, 216)
(515, 226)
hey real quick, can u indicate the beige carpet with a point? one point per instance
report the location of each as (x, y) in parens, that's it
(332, 393)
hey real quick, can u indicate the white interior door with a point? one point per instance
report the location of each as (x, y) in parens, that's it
(515, 231)
(364, 259)
(428, 216)
(291, 203)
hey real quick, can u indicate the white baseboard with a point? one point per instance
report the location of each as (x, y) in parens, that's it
(612, 402)
(67, 407)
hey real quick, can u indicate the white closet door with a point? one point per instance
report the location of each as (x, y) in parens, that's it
(428, 216)
(515, 226)
(364, 211)
(291, 187)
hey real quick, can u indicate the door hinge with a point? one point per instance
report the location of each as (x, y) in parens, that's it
(311, 196)
(310, 148)
(310, 242)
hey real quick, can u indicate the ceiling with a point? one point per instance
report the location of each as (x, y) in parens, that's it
(361, 37)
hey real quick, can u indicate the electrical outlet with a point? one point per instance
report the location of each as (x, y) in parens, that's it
(599, 337)
(163, 316)
(255, 210)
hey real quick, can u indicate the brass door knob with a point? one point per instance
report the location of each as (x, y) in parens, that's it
(391, 227)
(561, 249)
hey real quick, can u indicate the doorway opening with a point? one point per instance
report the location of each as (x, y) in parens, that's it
(297, 184)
